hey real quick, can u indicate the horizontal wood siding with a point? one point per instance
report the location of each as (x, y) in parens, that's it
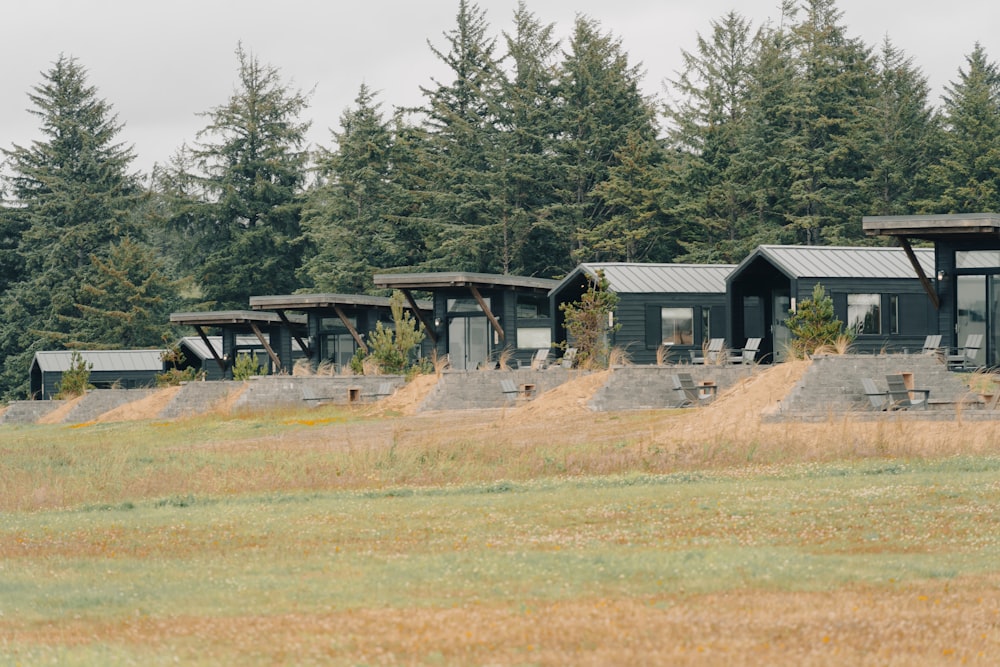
(633, 336)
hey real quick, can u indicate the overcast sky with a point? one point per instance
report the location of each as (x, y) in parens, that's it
(161, 64)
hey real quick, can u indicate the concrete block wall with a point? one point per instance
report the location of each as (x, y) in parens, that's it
(276, 390)
(833, 383)
(28, 412)
(481, 390)
(652, 387)
(195, 398)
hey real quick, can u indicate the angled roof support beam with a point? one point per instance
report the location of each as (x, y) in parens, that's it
(354, 332)
(298, 339)
(924, 280)
(486, 309)
(416, 311)
(267, 346)
(211, 348)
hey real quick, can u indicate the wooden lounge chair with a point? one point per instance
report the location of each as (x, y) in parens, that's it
(568, 358)
(713, 352)
(876, 396)
(748, 354)
(965, 359)
(514, 391)
(541, 359)
(902, 397)
(690, 393)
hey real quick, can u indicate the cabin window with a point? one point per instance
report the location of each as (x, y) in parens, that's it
(335, 323)
(532, 307)
(864, 313)
(534, 338)
(467, 305)
(977, 259)
(677, 326)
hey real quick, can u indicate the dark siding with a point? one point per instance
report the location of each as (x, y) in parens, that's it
(639, 317)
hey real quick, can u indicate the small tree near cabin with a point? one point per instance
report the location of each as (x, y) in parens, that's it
(813, 325)
(389, 348)
(589, 323)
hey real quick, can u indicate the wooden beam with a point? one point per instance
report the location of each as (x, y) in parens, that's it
(350, 327)
(482, 304)
(267, 346)
(420, 317)
(924, 280)
(298, 339)
(211, 348)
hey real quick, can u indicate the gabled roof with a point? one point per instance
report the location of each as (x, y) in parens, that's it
(633, 278)
(58, 361)
(797, 261)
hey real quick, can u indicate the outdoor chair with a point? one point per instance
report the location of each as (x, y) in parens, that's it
(748, 354)
(966, 358)
(512, 390)
(568, 358)
(712, 353)
(932, 344)
(541, 359)
(902, 397)
(876, 396)
(690, 393)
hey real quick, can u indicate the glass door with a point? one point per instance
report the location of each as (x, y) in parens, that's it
(468, 342)
(781, 304)
(971, 302)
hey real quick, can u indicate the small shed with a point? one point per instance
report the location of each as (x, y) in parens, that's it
(875, 291)
(271, 333)
(475, 316)
(674, 306)
(963, 286)
(338, 324)
(125, 369)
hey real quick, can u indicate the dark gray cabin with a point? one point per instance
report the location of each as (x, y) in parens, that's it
(875, 291)
(125, 369)
(674, 306)
(338, 324)
(963, 285)
(476, 316)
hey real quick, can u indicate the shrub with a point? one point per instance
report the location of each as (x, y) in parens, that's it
(589, 325)
(75, 381)
(814, 326)
(246, 366)
(389, 348)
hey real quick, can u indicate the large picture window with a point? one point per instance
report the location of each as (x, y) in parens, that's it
(677, 326)
(864, 313)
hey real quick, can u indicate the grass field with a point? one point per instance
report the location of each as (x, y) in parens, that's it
(344, 538)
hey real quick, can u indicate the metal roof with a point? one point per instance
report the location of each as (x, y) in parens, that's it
(841, 261)
(314, 301)
(423, 281)
(58, 361)
(632, 278)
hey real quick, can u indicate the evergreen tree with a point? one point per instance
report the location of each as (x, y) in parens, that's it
(967, 179)
(905, 135)
(709, 120)
(74, 200)
(461, 128)
(601, 106)
(239, 191)
(355, 219)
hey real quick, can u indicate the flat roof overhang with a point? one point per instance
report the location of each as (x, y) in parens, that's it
(322, 301)
(930, 227)
(213, 318)
(427, 281)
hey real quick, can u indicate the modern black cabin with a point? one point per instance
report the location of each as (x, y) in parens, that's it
(674, 306)
(963, 285)
(337, 324)
(875, 291)
(124, 369)
(476, 316)
(271, 333)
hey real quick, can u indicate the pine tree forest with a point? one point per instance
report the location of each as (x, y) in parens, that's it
(535, 152)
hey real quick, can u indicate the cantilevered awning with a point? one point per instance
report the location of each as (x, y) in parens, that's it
(238, 320)
(931, 228)
(474, 282)
(332, 302)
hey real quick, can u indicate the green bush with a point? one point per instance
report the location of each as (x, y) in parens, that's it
(75, 381)
(814, 326)
(246, 366)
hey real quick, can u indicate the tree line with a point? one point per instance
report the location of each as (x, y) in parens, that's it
(532, 155)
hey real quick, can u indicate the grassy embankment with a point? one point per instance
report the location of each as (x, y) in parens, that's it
(336, 538)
